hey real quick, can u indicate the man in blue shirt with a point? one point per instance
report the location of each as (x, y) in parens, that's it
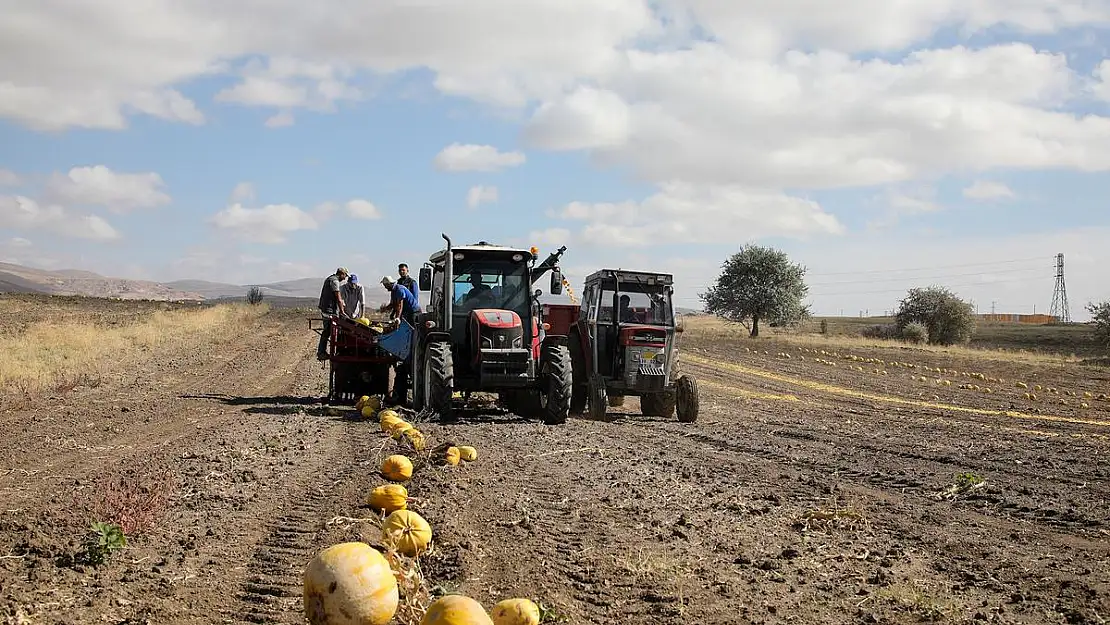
(402, 305)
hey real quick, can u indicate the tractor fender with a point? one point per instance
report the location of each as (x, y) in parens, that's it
(555, 340)
(436, 337)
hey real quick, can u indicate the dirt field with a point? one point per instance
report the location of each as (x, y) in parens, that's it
(805, 492)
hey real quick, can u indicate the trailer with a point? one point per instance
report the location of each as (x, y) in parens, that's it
(360, 357)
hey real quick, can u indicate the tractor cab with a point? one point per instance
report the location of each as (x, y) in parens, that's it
(624, 343)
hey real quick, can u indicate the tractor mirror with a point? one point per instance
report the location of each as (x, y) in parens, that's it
(425, 279)
(556, 282)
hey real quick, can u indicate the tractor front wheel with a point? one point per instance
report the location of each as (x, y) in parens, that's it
(686, 394)
(560, 385)
(439, 377)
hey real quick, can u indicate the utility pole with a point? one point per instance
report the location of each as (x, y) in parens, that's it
(1060, 308)
(992, 306)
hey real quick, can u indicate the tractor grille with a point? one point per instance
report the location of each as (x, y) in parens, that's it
(651, 377)
(501, 338)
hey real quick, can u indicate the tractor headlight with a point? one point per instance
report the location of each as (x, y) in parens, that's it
(661, 358)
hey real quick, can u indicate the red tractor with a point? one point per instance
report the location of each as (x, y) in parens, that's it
(482, 330)
(626, 344)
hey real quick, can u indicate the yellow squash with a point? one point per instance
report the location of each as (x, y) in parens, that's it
(451, 456)
(349, 584)
(388, 423)
(389, 412)
(389, 498)
(455, 610)
(415, 438)
(515, 612)
(468, 453)
(400, 429)
(397, 468)
(407, 531)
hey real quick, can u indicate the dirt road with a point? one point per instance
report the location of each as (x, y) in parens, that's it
(804, 493)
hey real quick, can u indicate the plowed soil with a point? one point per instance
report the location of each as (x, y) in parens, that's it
(804, 493)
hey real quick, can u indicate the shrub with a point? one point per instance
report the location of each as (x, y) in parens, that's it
(885, 332)
(947, 318)
(1100, 314)
(254, 295)
(915, 333)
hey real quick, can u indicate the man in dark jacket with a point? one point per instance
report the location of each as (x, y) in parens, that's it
(331, 304)
(406, 281)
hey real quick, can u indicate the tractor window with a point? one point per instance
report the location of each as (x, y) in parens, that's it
(491, 285)
(638, 304)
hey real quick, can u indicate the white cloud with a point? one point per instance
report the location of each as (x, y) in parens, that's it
(19, 242)
(685, 213)
(479, 195)
(280, 120)
(269, 224)
(100, 186)
(9, 178)
(549, 237)
(469, 157)
(285, 82)
(22, 212)
(988, 190)
(243, 192)
(588, 118)
(362, 209)
(1101, 86)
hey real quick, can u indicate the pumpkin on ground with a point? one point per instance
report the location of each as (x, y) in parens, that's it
(399, 425)
(515, 612)
(415, 438)
(367, 412)
(397, 468)
(407, 531)
(455, 610)
(400, 429)
(389, 497)
(389, 412)
(468, 453)
(389, 423)
(361, 402)
(350, 584)
(451, 456)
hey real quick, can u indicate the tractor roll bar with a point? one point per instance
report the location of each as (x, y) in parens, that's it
(448, 284)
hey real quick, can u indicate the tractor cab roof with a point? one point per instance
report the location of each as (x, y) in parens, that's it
(625, 276)
(481, 249)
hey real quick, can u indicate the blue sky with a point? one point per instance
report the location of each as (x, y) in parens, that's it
(883, 149)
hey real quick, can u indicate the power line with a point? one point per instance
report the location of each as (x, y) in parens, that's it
(833, 293)
(943, 277)
(871, 271)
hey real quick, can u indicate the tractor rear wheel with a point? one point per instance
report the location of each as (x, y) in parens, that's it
(560, 384)
(686, 394)
(439, 377)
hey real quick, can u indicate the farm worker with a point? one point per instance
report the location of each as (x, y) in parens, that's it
(331, 304)
(402, 305)
(354, 297)
(406, 281)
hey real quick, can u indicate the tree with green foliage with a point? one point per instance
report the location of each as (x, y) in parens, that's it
(758, 283)
(1100, 319)
(254, 295)
(948, 319)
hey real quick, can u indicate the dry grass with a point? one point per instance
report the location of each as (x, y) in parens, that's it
(716, 328)
(134, 500)
(51, 355)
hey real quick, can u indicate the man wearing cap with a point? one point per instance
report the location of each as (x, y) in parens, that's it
(354, 297)
(402, 305)
(331, 304)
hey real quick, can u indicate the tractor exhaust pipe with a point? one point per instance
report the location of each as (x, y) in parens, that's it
(448, 284)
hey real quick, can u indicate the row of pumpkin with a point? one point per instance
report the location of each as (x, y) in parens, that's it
(353, 583)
